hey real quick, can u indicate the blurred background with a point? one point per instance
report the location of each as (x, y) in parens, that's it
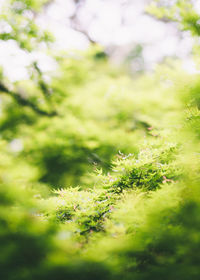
(128, 34)
(99, 139)
(74, 84)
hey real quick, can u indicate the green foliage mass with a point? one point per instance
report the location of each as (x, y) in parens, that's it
(99, 172)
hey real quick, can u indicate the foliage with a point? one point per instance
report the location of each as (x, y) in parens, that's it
(17, 22)
(99, 173)
(181, 11)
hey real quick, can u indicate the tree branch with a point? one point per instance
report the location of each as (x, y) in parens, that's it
(25, 102)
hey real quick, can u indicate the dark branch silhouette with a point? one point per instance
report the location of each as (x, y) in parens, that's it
(25, 102)
(76, 25)
(43, 86)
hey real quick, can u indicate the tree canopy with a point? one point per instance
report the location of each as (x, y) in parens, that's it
(99, 170)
